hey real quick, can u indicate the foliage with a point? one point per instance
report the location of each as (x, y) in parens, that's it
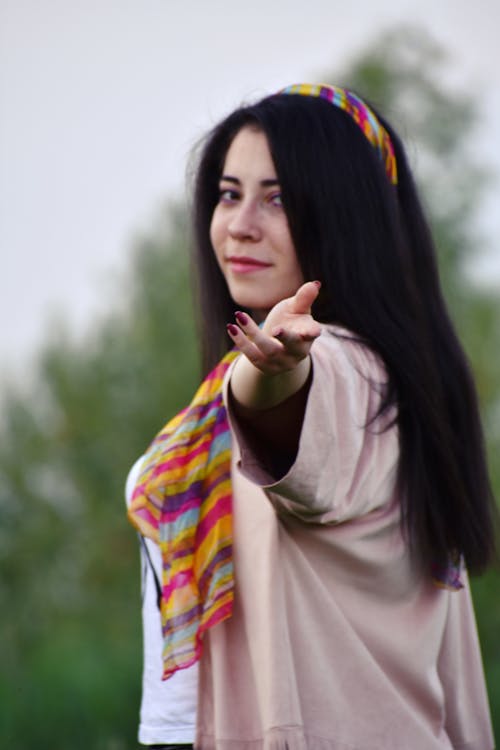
(70, 643)
(70, 646)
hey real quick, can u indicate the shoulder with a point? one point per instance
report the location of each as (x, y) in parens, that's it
(132, 478)
(347, 355)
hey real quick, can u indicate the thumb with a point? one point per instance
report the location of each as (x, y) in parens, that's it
(304, 297)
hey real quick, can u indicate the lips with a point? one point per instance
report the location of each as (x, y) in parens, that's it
(245, 264)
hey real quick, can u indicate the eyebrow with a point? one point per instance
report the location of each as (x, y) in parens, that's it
(235, 181)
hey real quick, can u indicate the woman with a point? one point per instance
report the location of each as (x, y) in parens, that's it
(315, 543)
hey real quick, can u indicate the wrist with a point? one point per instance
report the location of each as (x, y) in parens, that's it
(254, 389)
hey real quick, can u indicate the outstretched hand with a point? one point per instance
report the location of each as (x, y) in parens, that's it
(286, 336)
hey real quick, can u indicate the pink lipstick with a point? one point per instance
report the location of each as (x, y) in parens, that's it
(245, 264)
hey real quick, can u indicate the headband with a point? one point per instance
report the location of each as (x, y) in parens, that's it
(362, 115)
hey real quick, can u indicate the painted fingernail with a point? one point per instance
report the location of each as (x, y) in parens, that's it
(232, 329)
(318, 284)
(241, 317)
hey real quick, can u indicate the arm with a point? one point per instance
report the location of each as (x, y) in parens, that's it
(276, 362)
(273, 434)
(342, 467)
(269, 385)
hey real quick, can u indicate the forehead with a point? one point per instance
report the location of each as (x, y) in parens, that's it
(249, 154)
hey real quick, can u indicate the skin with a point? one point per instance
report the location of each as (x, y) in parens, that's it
(249, 229)
(254, 249)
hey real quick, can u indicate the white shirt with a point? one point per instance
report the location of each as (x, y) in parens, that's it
(168, 707)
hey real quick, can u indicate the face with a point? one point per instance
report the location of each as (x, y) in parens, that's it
(249, 229)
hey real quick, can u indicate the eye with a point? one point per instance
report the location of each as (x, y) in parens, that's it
(276, 200)
(228, 195)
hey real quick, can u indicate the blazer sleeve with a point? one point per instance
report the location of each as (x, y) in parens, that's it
(346, 461)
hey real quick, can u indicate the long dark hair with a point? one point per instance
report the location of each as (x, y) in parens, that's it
(369, 244)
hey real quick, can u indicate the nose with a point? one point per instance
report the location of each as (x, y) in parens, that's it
(244, 223)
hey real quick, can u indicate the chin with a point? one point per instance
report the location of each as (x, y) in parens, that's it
(257, 308)
(252, 301)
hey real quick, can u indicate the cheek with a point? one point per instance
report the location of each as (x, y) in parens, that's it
(216, 234)
(290, 254)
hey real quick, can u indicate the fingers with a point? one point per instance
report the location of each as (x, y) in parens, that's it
(287, 335)
(293, 340)
(262, 350)
(272, 354)
(304, 297)
(246, 347)
(250, 338)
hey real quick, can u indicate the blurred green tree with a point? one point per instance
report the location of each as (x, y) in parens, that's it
(70, 642)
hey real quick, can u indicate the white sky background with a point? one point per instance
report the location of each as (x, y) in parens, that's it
(101, 101)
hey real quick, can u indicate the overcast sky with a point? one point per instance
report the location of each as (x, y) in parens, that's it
(101, 101)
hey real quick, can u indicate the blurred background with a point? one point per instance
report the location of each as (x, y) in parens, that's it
(101, 104)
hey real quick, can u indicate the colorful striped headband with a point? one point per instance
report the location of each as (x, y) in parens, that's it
(360, 113)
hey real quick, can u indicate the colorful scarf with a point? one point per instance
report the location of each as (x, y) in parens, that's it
(362, 115)
(183, 502)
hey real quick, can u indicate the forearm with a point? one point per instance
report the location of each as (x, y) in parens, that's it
(269, 384)
(253, 389)
(273, 433)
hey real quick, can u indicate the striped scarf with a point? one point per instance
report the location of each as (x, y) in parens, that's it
(183, 501)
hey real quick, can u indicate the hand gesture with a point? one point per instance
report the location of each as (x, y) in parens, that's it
(286, 337)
